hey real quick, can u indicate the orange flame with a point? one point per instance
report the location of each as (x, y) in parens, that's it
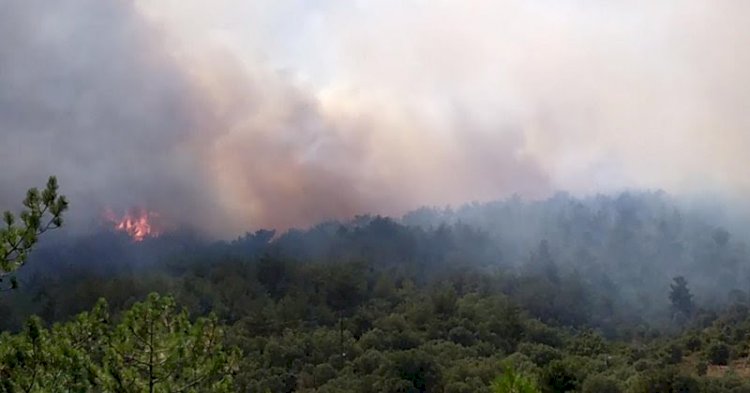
(137, 223)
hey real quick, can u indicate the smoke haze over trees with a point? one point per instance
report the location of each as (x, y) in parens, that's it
(623, 251)
(625, 292)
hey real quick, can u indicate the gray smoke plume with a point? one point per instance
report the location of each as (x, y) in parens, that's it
(227, 116)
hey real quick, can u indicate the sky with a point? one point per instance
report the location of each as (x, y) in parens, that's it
(230, 115)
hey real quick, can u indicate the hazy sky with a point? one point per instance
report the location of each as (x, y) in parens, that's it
(232, 114)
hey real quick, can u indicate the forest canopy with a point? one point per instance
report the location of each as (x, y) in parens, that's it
(618, 293)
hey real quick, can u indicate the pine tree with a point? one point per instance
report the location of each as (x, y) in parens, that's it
(512, 381)
(43, 211)
(156, 349)
(681, 298)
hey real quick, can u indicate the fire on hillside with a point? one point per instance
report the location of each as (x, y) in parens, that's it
(138, 223)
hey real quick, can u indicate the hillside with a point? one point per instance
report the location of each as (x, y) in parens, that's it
(575, 294)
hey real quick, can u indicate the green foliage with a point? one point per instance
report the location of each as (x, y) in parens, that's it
(672, 353)
(701, 368)
(718, 353)
(418, 368)
(666, 380)
(588, 343)
(540, 354)
(512, 381)
(560, 376)
(42, 211)
(154, 348)
(601, 384)
(446, 335)
(376, 306)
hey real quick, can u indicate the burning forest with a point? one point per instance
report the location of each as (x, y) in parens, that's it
(393, 196)
(137, 223)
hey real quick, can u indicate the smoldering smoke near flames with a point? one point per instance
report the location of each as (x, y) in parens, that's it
(228, 116)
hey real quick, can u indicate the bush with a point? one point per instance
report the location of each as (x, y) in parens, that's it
(665, 380)
(693, 342)
(718, 353)
(588, 344)
(673, 354)
(512, 381)
(538, 332)
(601, 384)
(459, 387)
(643, 365)
(418, 368)
(323, 373)
(701, 368)
(558, 377)
(462, 335)
(540, 354)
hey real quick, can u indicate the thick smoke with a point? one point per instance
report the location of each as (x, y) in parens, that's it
(88, 93)
(230, 115)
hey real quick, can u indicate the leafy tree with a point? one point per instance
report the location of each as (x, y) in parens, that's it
(558, 376)
(541, 261)
(444, 300)
(43, 211)
(701, 368)
(718, 353)
(512, 381)
(681, 298)
(588, 343)
(601, 384)
(419, 369)
(665, 380)
(345, 289)
(673, 353)
(540, 354)
(273, 273)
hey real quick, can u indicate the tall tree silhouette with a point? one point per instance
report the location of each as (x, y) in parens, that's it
(681, 298)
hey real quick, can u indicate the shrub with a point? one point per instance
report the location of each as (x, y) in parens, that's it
(540, 354)
(601, 384)
(718, 353)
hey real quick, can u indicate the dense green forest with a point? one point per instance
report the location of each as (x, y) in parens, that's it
(625, 293)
